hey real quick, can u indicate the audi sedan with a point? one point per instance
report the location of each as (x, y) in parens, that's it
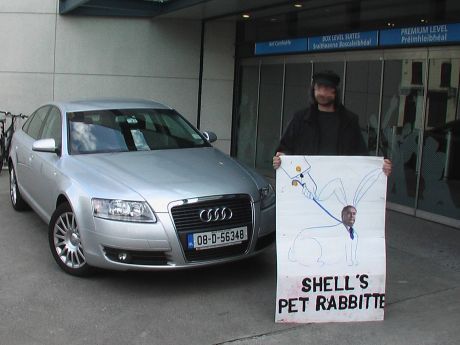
(132, 185)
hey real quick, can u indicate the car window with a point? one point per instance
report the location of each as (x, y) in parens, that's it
(130, 130)
(35, 125)
(25, 126)
(52, 126)
(177, 127)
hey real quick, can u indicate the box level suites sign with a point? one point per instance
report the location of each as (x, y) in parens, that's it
(349, 40)
(330, 239)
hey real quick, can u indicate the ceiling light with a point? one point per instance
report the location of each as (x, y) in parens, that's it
(298, 5)
(246, 16)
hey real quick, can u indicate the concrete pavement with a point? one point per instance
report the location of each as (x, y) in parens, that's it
(230, 304)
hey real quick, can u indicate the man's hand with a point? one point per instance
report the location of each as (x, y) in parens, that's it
(277, 160)
(386, 167)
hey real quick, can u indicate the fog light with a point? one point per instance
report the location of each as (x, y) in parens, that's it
(123, 257)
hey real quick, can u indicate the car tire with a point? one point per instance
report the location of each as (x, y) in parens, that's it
(65, 242)
(17, 201)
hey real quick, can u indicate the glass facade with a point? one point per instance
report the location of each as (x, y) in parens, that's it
(270, 105)
(408, 108)
(439, 187)
(246, 124)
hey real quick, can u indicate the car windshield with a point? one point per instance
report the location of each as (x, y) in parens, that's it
(122, 130)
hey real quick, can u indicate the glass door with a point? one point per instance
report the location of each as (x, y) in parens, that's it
(246, 119)
(296, 90)
(439, 186)
(362, 97)
(270, 109)
(403, 105)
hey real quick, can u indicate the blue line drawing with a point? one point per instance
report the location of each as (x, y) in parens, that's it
(308, 249)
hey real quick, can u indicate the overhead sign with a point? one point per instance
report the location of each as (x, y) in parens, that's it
(421, 35)
(417, 35)
(296, 45)
(350, 40)
(330, 239)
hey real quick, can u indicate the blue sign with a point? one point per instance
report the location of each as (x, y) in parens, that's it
(352, 40)
(296, 45)
(417, 35)
(421, 35)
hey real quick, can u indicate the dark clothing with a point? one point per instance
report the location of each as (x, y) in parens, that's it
(303, 135)
(328, 132)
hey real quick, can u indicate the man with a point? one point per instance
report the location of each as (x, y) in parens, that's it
(348, 219)
(351, 242)
(326, 128)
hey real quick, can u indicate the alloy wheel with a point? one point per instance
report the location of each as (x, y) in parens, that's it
(67, 242)
(13, 187)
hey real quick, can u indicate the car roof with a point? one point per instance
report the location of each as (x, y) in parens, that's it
(108, 103)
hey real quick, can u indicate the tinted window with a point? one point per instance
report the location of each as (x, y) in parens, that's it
(130, 130)
(34, 125)
(26, 125)
(52, 127)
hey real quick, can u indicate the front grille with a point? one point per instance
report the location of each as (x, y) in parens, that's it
(187, 220)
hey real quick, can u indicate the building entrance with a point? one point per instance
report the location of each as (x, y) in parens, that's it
(408, 107)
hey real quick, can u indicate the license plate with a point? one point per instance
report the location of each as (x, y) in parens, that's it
(218, 238)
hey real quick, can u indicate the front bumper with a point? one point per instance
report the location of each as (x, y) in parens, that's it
(146, 246)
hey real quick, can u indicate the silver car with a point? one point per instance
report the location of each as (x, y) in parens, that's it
(132, 185)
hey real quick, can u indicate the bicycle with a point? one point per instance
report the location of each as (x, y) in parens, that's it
(6, 134)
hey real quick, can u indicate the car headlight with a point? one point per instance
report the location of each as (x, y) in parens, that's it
(267, 196)
(122, 210)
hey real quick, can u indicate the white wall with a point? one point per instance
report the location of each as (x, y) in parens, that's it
(128, 57)
(26, 64)
(47, 56)
(218, 72)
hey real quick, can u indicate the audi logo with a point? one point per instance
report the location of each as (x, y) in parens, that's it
(216, 214)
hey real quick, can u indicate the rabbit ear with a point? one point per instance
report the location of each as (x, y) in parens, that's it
(366, 183)
(308, 164)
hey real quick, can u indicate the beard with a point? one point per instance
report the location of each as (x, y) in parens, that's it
(325, 100)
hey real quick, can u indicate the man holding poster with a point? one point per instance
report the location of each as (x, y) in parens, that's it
(326, 128)
(325, 271)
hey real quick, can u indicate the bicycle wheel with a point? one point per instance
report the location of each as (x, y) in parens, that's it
(8, 137)
(7, 147)
(2, 152)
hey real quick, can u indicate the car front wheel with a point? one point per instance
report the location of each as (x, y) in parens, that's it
(65, 242)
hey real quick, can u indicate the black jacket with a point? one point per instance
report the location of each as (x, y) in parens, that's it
(302, 135)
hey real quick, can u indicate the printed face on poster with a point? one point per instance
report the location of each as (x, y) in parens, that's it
(330, 239)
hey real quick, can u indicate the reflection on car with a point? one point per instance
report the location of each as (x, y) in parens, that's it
(132, 185)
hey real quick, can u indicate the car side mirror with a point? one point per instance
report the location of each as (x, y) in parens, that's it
(210, 136)
(45, 145)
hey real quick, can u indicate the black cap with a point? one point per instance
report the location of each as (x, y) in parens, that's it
(327, 78)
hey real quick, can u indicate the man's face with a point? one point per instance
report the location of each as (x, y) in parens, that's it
(349, 216)
(324, 94)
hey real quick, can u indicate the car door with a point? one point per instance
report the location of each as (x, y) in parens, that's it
(44, 165)
(25, 156)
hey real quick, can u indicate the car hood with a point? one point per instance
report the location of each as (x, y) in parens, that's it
(167, 175)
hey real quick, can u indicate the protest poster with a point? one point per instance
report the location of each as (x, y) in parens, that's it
(330, 239)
